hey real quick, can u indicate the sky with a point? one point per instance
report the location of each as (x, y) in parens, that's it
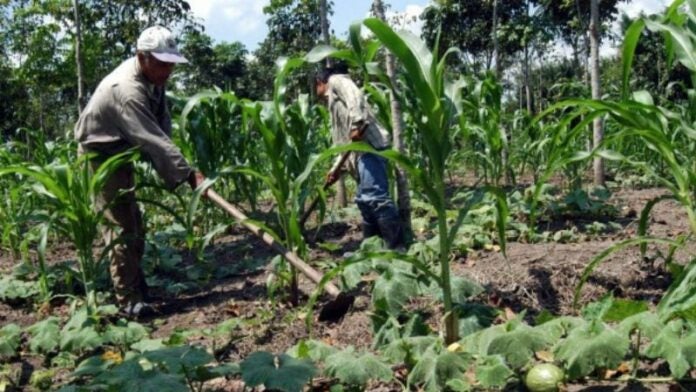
(244, 21)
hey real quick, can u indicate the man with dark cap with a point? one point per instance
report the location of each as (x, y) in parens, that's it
(129, 110)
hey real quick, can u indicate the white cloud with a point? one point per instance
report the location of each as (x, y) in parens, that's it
(634, 7)
(232, 20)
(408, 19)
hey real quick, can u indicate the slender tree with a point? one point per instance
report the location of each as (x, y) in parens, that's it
(598, 130)
(402, 188)
(78, 58)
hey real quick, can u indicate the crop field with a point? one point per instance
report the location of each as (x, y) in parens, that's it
(540, 257)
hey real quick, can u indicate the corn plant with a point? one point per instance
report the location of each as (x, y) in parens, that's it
(668, 134)
(288, 136)
(480, 123)
(215, 133)
(69, 191)
(425, 78)
(197, 232)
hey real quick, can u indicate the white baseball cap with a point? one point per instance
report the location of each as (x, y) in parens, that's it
(161, 43)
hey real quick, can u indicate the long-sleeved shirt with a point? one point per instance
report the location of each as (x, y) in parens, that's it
(349, 110)
(127, 111)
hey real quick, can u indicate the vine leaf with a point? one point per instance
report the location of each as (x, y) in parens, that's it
(518, 345)
(10, 337)
(281, 372)
(45, 335)
(492, 372)
(591, 347)
(357, 369)
(648, 323)
(675, 346)
(435, 370)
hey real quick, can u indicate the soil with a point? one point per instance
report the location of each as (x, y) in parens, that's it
(533, 277)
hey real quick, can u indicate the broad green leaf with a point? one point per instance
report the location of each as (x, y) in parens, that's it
(45, 335)
(10, 337)
(622, 309)
(281, 372)
(315, 350)
(130, 376)
(12, 288)
(646, 322)
(434, 370)
(681, 295)
(591, 347)
(492, 372)
(352, 368)
(518, 346)
(677, 345)
(179, 359)
(393, 289)
(148, 345)
(91, 366)
(123, 334)
(409, 348)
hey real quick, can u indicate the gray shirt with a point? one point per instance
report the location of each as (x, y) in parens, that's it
(350, 110)
(127, 111)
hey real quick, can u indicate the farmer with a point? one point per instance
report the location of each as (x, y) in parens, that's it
(352, 120)
(129, 109)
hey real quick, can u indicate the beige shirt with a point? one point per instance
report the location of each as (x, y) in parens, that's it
(350, 110)
(127, 111)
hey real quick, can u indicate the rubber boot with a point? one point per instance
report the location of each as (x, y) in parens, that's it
(392, 233)
(370, 230)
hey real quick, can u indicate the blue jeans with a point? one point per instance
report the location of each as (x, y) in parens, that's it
(379, 213)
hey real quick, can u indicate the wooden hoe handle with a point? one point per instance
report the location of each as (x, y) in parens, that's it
(291, 257)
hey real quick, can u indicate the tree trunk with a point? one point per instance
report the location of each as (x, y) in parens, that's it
(325, 36)
(78, 58)
(598, 131)
(402, 189)
(527, 89)
(341, 192)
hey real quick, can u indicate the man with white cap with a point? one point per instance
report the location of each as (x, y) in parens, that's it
(129, 109)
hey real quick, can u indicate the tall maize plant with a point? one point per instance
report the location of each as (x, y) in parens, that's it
(425, 78)
(215, 134)
(290, 135)
(667, 134)
(69, 190)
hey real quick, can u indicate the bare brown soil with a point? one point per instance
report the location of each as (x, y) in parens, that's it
(533, 277)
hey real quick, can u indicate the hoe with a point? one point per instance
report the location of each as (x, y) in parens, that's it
(334, 309)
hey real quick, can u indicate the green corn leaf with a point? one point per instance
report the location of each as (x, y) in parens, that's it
(280, 372)
(492, 372)
(591, 347)
(45, 335)
(630, 43)
(353, 368)
(676, 346)
(681, 295)
(644, 219)
(604, 254)
(10, 337)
